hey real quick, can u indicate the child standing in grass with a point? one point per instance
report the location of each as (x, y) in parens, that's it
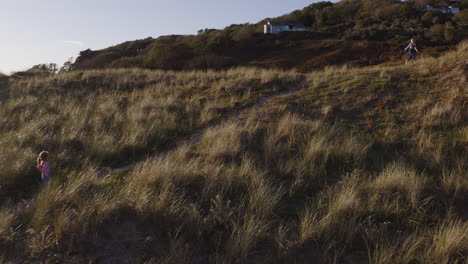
(43, 166)
(412, 51)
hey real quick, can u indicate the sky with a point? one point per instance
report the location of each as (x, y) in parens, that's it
(52, 31)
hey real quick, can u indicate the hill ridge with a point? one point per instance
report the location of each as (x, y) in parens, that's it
(351, 32)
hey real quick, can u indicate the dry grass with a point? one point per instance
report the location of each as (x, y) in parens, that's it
(449, 242)
(6, 219)
(331, 217)
(381, 250)
(109, 118)
(397, 178)
(455, 181)
(301, 178)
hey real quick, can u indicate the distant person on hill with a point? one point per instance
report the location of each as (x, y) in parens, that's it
(412, 51)
(43, 166)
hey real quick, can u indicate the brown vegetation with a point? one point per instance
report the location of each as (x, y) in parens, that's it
(301, 178)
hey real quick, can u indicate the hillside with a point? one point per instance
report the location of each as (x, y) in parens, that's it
(340, 165)
(352, 32)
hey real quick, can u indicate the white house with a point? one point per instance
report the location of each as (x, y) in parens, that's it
(446, 10)
(278, 27)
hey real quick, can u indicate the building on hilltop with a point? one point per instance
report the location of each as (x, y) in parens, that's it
(278, 27)
(452, 9)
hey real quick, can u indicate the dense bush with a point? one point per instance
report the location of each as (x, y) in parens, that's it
(462, 18)
(128, 62)
(169, 56)
(209, 61)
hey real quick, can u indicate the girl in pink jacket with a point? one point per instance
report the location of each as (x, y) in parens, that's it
(43, 166)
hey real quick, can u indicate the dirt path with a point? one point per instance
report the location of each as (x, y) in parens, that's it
(196, 136)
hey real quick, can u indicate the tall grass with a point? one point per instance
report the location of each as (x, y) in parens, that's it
(112, 118)
(399, 179)
(305, 177)
(449, 241)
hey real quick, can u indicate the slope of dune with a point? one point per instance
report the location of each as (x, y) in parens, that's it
(340, 165)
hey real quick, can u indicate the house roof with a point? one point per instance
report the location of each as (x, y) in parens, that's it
(286, 24)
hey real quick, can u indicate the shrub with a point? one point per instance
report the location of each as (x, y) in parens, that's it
(435, 33)
(388, 13)
(210, 61)
(168, 56)
(128, 62)
(462, 18)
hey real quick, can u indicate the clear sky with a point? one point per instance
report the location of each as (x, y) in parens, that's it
(45, 31)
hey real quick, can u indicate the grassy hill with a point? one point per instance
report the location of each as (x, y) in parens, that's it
(246, 165)
(353, 32)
